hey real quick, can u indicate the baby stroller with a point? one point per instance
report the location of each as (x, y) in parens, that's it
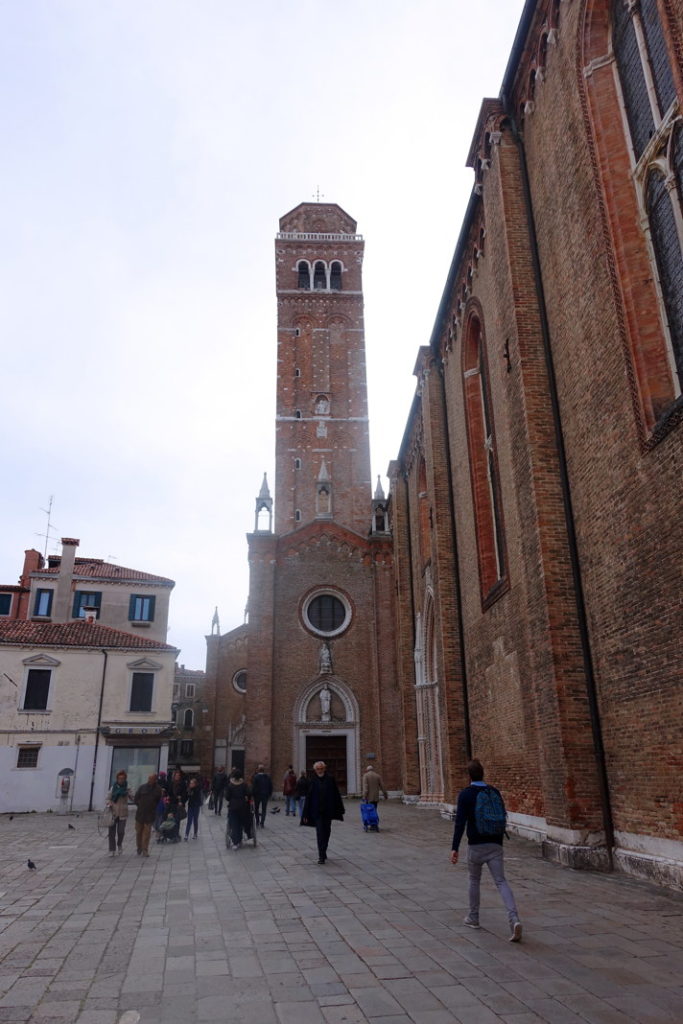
(369, 817)
(169, 829)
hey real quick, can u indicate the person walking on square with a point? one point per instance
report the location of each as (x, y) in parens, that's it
(117, 799)
(302, 787)
(220, 781)
(237, 795)
(373, 786)
(194, 803)
(322, 806)
(289, 791)
(261, 788)
(147, 797)
(480, 810)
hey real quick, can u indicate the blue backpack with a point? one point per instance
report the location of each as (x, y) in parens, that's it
(490, 816)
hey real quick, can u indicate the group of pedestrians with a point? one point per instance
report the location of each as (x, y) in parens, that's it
(161, 803)
(480, 814)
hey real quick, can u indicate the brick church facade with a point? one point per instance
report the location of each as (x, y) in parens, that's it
(518, 597)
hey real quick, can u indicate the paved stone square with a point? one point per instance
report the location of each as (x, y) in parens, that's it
(264, 935)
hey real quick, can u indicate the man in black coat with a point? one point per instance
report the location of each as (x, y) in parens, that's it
(322, 806)
(220, 781)
(261, 790)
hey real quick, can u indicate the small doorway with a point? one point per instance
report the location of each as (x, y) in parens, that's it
(331, 750)
(236, 761)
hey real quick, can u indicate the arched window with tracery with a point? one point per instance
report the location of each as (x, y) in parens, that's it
(188, 719)
(654, 124)
(484, 474)
(631, 78)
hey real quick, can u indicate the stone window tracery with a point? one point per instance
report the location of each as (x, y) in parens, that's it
(653, 120)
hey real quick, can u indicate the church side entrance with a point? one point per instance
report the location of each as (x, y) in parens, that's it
(331, 750)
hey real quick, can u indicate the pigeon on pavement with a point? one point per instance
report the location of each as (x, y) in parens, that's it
(31, 865)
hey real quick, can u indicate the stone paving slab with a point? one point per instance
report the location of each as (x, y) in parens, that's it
(196, 934)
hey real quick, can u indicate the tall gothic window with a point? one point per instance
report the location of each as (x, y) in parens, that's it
(483, 465)
(655, 128)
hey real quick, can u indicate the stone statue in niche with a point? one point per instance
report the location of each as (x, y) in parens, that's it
(325, 702)
(325, 664)
(322, 406)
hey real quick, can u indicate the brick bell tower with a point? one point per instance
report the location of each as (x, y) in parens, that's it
(321, 571)
(322, 448)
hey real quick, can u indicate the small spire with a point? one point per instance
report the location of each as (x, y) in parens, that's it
(264, 492)
(215, 623)
(264, 503)
(379, 490)
(323, 474)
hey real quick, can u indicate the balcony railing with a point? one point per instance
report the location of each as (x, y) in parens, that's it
(316, 236)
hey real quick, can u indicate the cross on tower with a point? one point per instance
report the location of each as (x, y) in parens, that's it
(318, 195)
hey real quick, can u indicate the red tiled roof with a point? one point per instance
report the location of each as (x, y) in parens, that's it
(96, 568)
(21, 633)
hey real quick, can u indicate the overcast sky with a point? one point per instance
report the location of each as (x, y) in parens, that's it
(149, 150)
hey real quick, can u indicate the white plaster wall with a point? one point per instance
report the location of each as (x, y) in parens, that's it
(66, 730)
(36, 789)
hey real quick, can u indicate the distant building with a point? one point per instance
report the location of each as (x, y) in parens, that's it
(192, 743)
(81, 699)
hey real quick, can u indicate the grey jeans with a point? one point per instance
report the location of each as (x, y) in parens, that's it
(492, 855)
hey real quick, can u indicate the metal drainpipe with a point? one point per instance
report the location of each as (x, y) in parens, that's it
(97, 733)
(582, 616)
(456, 568)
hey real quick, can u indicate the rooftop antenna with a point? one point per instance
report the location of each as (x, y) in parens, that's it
(46, 535)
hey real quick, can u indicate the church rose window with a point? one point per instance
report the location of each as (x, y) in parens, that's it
(326, 614)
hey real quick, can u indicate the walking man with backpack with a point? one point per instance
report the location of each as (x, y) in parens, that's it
(481, 811)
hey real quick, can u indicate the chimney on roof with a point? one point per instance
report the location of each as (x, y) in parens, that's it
(61, 607)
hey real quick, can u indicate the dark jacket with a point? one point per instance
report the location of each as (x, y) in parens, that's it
(237, 795)
(147, 797)
(195, 797)
(262, 785)
(177, 791)
(302, 786)
(465, 819)
(220, 781)
(323, 800)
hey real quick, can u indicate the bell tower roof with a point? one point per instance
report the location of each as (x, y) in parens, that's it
(317, 218)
